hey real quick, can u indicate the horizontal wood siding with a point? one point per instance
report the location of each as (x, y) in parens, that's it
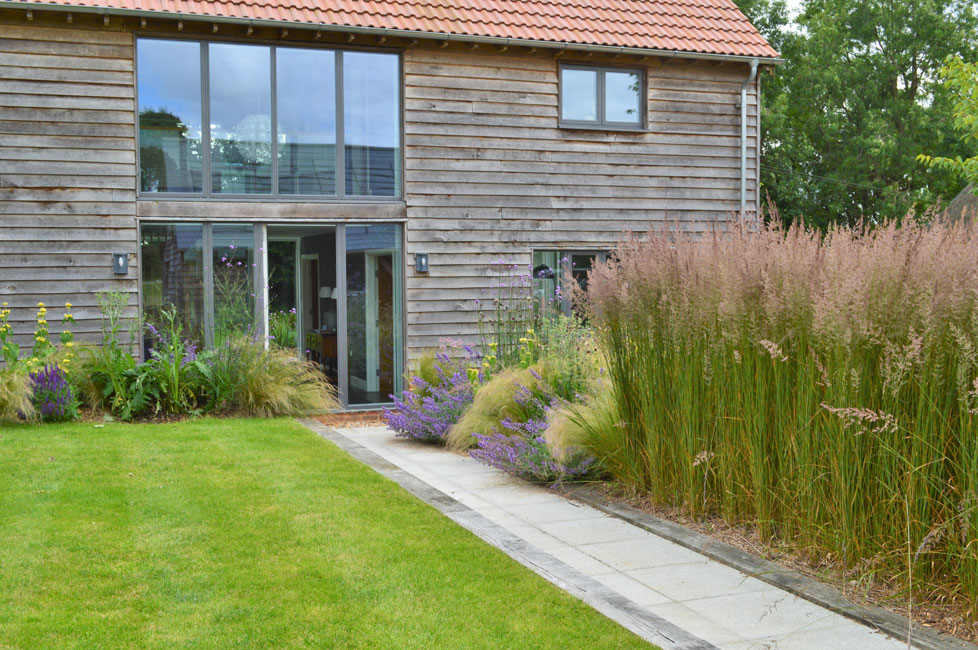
(490, 176)
(67, 172)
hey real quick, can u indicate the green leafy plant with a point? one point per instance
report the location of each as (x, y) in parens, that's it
(961, 79)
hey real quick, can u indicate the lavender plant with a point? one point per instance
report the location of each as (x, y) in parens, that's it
(528, 458)
(52, 395)
(427, 410)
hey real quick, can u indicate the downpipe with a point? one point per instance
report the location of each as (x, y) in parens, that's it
(743, 136)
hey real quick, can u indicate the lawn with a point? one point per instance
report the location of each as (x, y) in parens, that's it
(248, 533)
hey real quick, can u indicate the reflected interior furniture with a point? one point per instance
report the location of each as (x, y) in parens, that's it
(321, 346)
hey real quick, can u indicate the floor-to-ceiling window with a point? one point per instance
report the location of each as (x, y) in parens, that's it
(373, 312)
(331, 293)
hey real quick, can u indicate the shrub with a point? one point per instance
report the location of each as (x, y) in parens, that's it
(241, 376)
(569, 358)
(52, 396)
(517, 445)
(527, 457)
(496, 400)
(15, 395)
(428, 409)
(820, 386)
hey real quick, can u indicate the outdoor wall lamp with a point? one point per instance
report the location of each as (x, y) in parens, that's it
(421, 262)
(120, 263)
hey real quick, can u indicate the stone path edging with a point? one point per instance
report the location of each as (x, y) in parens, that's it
(628, 614)
(800, 585)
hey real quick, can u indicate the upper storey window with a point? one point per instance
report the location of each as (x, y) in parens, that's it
(228, 119)
(601, 97)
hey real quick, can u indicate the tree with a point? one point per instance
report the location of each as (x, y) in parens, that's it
(857, 98)
(962, 80)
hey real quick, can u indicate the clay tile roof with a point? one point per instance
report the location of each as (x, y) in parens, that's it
(702, 26)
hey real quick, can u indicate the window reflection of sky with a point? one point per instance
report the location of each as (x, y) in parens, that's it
(371, 99)
(621, 92)
(240, 90)
(306, 96)
(169, 80)
(580, 92)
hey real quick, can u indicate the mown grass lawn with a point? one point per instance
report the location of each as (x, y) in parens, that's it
(248, 534)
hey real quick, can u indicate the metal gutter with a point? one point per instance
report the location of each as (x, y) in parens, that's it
(743, 136)
(390, 33)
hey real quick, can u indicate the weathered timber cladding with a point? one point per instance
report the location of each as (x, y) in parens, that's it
(489, 175)
(67, 171)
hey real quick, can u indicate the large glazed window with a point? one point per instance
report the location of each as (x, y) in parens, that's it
(173, 265)
(170, 116)
(598, 97)
(306, 82)
(227, 119)
(371, 127)
(241, 119)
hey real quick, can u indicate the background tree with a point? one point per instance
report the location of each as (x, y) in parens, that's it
(961, 79)
(857, 99)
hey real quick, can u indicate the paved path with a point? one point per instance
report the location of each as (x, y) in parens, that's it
(696, 602)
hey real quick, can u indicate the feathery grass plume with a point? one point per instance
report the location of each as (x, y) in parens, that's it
(494, 402)
(831, 377)
(243, 377)
(15, 396)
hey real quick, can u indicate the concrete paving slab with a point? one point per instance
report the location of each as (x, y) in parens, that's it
(668, 593)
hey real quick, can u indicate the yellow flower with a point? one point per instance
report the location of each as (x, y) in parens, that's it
(4, 304)
(529, 331)
(67, 305)
(70, 344)
(41, 321)
(40, 304)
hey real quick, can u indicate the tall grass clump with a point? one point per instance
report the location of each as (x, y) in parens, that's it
(821, 386)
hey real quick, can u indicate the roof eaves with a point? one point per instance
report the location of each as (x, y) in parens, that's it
(772, 59)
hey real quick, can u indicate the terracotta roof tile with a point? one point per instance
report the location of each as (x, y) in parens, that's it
(705, 26)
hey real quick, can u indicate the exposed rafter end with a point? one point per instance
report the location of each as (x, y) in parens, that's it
(285, 32)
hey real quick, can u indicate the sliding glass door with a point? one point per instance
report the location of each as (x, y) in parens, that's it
(330, 292)
(373, 313)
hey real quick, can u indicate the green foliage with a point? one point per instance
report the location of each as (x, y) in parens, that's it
(506, 316)
(15, 395)
(961, 79)
(494, 401)
(823, 388)
(568, 356)
(282, 327)
(241, 376)
(856, 99)
(108, 376)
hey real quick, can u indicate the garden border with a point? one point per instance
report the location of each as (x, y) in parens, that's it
(623, 611)
(887, 622)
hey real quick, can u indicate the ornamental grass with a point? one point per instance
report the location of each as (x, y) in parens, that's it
(821, 386)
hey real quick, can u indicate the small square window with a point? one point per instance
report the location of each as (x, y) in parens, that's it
(599, 97)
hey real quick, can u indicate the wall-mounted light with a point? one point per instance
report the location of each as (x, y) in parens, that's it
(120, 263)
(421, 262)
